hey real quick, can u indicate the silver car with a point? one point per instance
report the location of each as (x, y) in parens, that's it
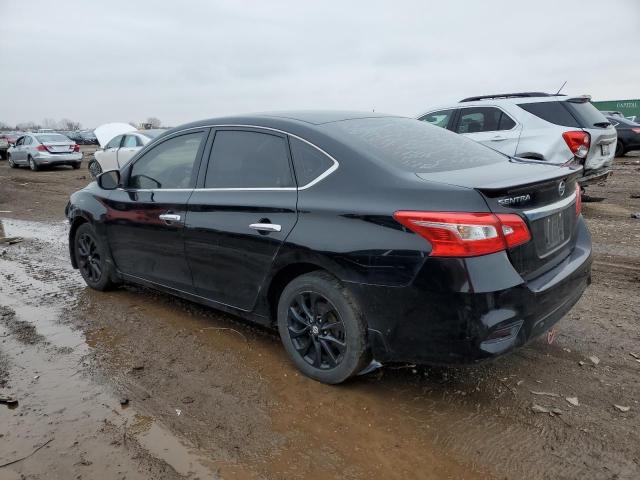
(38, 150)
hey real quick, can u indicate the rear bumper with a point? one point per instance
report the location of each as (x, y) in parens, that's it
(462, 311)
(595, 176)
(58, 158)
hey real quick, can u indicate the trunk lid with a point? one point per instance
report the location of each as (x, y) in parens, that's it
(59, 147)
(544, 195)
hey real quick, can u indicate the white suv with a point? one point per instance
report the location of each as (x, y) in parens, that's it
(539, 126)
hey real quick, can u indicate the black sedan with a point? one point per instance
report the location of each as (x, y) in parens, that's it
(360, 237)
(628, 135)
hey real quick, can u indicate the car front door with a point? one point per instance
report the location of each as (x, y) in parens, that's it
(130, 146)
(109, 156)
(145, 218)
(491, 127)
(241, 214)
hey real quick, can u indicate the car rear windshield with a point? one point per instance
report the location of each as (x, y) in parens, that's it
(412, 145)
(52, 137)
(567, 113)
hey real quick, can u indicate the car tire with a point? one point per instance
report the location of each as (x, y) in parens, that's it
(620, 149)
(11, 164)
(94, 168)
(32, 164)
(91, 258)
(76, 165)
(322, 328)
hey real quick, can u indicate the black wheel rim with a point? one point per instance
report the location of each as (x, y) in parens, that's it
(316, 330)
(89, 259)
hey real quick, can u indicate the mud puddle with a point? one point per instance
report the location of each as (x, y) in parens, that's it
(218, 394)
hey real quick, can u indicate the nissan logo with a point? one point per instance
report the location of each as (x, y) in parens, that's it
(561, 186)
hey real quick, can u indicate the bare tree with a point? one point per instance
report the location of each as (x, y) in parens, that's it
(70, 125)
(4, 126)
(49, 123)
(27, 126)
(153, 122)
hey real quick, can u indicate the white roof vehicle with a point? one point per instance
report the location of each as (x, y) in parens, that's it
(119, 142)
(534, 125)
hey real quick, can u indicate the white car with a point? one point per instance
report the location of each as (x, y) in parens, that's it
(538, 126)
(119, 142)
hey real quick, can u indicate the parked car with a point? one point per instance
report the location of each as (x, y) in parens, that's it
(88, 137)
(119, 142)
(4, 146)
(73, 135)
(37, 150)
(628, 135)
(360, 236)
(534, 125)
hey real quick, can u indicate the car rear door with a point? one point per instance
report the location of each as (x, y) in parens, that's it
(145, 218)
(240, 215)
(490, 126)
(18, 154)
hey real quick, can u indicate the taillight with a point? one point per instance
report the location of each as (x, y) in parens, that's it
(42, 148)
(578, 142)
(76, 147)
(578, 200)
(636, 130)
(457, 234)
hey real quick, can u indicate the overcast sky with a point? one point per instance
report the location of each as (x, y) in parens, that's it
(102, 61)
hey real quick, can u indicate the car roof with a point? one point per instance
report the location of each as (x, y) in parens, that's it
(507, 99)
(309, 117)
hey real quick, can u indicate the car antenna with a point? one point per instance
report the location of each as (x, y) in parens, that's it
(560, 89)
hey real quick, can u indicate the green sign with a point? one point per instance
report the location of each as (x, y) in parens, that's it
(627, 107)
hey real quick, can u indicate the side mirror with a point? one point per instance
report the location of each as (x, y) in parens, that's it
(109, 180)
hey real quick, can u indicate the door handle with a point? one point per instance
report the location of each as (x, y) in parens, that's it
(169, 218)
(266, 227)
(498, 138)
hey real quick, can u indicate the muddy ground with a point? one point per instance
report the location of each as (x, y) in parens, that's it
(208, 396)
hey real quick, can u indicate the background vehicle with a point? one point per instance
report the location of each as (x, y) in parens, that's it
(88, 137)
(44, 149)
(443, 252)
(73, 135)
(4, 146)
(119, 142)
(553, 128)
(628, 135)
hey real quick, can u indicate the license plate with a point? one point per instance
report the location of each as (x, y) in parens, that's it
(554, 230)
(605, 149)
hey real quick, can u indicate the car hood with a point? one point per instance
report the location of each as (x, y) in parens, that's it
(500, 175)
(104, 133)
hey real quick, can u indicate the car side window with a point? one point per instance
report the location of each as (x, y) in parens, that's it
(242, 159)
(167, 165)
(114, 143)
(27, 140)
(308, 162)
(130, 141)
(506, 122)
(479, 119)
(20, 141)
(439, 119)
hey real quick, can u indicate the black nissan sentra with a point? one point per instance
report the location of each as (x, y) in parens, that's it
(359, 236)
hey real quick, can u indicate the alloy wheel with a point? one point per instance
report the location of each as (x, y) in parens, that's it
(316, 330)
(94, 168)
(89, 259)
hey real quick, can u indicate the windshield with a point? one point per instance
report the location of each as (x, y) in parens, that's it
(412, 145)
(52, 137)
